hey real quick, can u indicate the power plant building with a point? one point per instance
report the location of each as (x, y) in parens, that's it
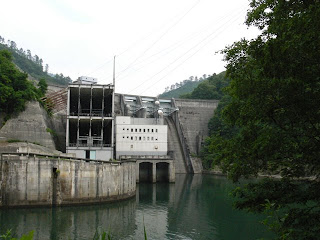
(90, 119)
(138, 132)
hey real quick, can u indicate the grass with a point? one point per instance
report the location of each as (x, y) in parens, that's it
(52, 132)
(8, 236)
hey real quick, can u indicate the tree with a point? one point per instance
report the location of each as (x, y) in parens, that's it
(211, 88)
(13, 45)
(42, 87)
(29, 56)
(46, 68)
(36, 59)
(275, 92)
(15, 89)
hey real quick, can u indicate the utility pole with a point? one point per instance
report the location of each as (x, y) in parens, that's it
(113, 112)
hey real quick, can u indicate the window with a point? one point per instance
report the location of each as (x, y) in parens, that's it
(128, 129)
(131, 138)
(151, 130)
(156, 130)
(123, 129)
(139, 138)
(131, 129)
(144, 130)
(136, 138)
(140, 130)
(151, 138)
(148, 130)
(123, 137)
(136, 130)
(144, 138)
(148, 138)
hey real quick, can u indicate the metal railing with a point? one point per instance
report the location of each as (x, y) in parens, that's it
(149, 157)
(92, 114)
(89, 145)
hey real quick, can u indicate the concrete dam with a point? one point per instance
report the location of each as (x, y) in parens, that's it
(111, 142)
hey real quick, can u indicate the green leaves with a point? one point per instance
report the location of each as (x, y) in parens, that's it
(8, 236)
(15, 89)
(271, 122)
(211, 88)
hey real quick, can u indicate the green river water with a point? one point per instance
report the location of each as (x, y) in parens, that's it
(195, 207)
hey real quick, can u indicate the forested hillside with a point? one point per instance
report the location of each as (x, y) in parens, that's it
(183, 87)
(210, 88)
(33, 65)
(15, 89)
(175, 93)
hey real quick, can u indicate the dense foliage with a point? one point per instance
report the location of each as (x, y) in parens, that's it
(271, 122)
(15, 89)
(210, 88)
(32, 65)
(187, 87)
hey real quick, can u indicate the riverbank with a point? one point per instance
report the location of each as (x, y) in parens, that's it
(218, 172)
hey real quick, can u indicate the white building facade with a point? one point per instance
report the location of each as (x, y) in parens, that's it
(140, 136)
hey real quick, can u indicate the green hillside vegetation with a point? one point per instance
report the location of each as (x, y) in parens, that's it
(185, 88)
(15, 88)
(210, 88)
(33, 65)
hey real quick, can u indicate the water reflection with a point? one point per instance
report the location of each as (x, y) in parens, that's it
(78, 222)
(195, 207)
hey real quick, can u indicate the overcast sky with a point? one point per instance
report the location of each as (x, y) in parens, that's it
(156, 43)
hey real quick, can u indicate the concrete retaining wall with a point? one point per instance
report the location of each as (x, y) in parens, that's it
(40, 180)
(30, 125)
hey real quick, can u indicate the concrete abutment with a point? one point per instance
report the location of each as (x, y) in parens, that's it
(39, 180)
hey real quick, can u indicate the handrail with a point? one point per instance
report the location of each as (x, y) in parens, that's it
(88, 145)
(58, 157)
(149, 157)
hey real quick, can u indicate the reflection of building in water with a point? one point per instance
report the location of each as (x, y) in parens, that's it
(72, 222)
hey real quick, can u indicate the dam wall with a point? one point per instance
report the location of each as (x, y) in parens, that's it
(191, 122)
(36, 180)
(187, 121)
(194, 116)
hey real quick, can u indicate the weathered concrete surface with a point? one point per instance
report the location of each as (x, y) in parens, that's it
(174, 146)
(193, 118)
(155, 171)
(24, 147)
(30, 125)
(58, 123)
(39, 180)
(194, 115)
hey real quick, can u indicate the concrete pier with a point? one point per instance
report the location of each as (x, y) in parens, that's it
(35, 180)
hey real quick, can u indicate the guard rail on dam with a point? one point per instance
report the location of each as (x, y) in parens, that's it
(35, 180)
